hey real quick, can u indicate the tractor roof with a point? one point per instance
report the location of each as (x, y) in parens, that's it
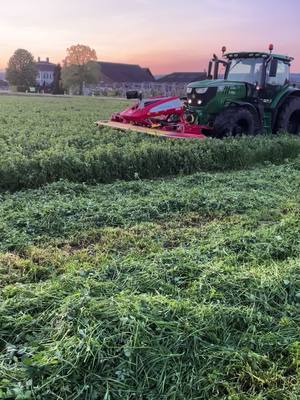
(256, 54)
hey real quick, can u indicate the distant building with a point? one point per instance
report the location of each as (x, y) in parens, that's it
(45, 75)
(121, 73)
(147, 70)
(117, 78)
(295, 79)
(183, 77)
(3, 85)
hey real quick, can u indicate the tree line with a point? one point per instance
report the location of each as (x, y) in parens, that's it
(78, 67)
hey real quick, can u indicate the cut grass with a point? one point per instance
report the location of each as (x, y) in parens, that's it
(62, 209)
(185, 288)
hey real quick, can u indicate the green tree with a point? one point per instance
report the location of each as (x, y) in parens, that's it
(21, 70)
(57, 81)
(80, 67)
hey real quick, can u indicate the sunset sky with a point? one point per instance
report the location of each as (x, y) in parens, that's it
(165, 35)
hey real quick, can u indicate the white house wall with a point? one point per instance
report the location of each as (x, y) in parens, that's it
(45, 76)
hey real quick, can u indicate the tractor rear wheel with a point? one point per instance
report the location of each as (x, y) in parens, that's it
(289, 116)
(235, 121)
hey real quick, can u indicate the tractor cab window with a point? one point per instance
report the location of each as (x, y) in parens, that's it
(282, 75)
(245, 70)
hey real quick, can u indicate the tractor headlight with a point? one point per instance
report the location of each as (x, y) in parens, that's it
(201, 90)
(189, 90)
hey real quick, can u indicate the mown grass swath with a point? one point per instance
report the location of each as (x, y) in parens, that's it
(174, 288)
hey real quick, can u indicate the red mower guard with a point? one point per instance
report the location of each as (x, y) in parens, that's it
(158, 116)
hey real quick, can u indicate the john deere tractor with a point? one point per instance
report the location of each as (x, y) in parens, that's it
(255, 96)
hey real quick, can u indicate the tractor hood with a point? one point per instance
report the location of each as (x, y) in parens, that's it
(214, 93)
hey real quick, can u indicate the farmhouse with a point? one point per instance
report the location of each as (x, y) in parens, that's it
(45, 70)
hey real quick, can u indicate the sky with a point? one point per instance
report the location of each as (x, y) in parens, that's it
(164, 35)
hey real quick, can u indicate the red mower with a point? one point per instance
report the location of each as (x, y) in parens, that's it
(158, 116)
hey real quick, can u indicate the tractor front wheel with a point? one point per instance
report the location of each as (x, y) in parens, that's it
(289, 116)
(235, 121)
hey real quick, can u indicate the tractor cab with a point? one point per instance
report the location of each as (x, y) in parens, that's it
(267, 72)
(260, 69)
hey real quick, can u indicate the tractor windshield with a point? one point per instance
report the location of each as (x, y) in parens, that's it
(245, 70)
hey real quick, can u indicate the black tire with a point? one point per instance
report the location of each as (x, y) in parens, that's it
(289, 116)
(235, 121)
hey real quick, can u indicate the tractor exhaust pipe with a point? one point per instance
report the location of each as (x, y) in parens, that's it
(214, 63)
(210, 65)
(216, 69)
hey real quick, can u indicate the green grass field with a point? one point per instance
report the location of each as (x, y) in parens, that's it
(182, 287)
(44, 140)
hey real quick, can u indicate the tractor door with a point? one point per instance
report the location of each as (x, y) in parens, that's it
(277, 76)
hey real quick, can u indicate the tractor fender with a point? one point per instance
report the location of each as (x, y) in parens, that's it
(292, 92)
(257, 111)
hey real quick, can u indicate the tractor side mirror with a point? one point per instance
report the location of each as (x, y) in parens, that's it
(273, 68)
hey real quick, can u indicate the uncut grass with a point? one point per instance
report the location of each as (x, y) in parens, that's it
(198, 299)
(46, 139)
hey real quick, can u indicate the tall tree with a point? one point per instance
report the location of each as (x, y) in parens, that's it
(57, 81)
(80, 67)
(21, 70)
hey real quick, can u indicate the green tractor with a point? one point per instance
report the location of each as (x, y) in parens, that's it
(254, 97)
